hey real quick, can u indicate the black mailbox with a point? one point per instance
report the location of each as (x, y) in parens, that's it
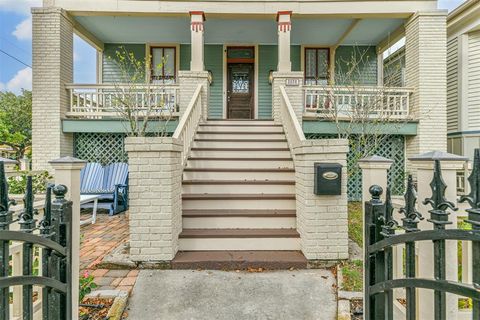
(328, 179)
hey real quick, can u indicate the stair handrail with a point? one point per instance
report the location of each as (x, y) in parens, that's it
(291, 126)
(188, 124)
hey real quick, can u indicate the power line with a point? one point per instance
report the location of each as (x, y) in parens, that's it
(15, 58)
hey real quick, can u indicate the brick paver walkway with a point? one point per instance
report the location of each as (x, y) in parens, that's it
(98, 240)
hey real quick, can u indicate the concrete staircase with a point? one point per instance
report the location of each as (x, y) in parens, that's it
(239, 189)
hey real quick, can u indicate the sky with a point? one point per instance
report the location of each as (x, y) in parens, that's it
(16, 46)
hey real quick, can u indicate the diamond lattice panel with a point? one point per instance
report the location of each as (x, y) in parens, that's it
(104, 148)
(392, 148)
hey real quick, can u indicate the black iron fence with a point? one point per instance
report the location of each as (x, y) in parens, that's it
(381, 235)
(53, 236)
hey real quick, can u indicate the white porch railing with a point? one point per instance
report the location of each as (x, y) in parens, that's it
(96, 101)
(348, 101)
(291, 126)
(187, 127)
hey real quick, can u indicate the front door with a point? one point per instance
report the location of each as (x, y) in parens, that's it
(240, 91)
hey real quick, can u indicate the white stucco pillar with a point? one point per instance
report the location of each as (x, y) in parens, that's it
(67, 172)
(284, 29)
(197, 28)
(374, 171)
(424, 163)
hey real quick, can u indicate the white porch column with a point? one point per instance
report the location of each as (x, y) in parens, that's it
(197, 28)
(424, 164)
(52, 62)
(67, 172)
(284, 28)
(426, 72)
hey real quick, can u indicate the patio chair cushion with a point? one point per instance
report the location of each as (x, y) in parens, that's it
(114, 174)
(91, 178)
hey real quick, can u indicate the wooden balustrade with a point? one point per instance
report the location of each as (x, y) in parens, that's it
(97, 101)
(347, 101)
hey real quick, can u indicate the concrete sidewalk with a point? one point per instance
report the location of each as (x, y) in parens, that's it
(198, 295)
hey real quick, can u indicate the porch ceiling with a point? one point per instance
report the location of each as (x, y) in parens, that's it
(262, 30)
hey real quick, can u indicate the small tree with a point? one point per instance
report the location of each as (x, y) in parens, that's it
(364, 114)
(136, 98)
(16, 121)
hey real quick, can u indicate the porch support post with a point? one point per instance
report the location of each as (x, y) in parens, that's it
(52, 62)
(424, 164)
(284, 28)
(425, 51)
(197, 29)
(67, 172)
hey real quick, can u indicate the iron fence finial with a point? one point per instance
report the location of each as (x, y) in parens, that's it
(389, 224)
(438, 213)
(412, 216)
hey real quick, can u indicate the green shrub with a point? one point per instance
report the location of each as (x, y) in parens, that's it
(18, 184)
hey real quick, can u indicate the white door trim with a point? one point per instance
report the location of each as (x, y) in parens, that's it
(255, 71)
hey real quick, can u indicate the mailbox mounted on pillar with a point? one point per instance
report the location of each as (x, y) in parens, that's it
(328, 179)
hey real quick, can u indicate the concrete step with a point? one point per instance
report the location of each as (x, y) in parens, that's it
(239, 260)
(240, 143)
(266, 163)
(238, 174)
(240, 153)
(240, 128)
(253, 135)
(227, 222)
(238, 239)
(238, 186)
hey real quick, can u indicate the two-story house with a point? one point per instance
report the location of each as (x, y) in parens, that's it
(266, 73)
(463, 79)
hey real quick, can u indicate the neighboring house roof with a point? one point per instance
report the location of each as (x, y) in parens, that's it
(464, 19)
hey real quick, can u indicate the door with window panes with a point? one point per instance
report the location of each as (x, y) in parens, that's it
(316, 72)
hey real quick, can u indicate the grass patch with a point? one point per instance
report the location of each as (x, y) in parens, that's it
(352, 275)
(355, 220)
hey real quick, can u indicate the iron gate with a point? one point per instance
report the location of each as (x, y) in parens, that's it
(380, 236)
(53, 236)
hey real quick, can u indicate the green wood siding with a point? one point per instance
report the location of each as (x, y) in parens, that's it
(110, 71)
(267, 60)
(296, 58)
(362, 60)
(185, 56)
(214, 63)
